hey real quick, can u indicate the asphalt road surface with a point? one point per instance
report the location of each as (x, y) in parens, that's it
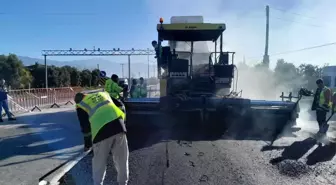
(180, 157)
(35, 144)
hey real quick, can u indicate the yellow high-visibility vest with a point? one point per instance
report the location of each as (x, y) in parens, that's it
(101, 110)
(322, 98)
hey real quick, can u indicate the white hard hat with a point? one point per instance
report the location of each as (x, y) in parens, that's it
(126, 82)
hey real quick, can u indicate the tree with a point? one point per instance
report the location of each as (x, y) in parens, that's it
(309, 73)
(53, 77)
(64, 76)
(95, 77)
(12, 70)
(86, 77)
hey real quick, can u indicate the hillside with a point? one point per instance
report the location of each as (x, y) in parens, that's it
(109, 66)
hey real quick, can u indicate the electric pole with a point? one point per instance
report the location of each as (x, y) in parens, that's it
(122, 70)
(266, 56)
(148, 64)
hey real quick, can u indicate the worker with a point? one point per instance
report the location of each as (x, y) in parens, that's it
(135, 89)
(112, 87)
(4, 101)
(333, 110)
(321, 104)
(102, 124)
(143, 88)
(156, 48)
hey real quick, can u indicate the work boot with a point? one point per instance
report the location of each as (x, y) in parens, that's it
(11, 119)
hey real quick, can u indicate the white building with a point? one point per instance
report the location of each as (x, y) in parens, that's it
(329, 76)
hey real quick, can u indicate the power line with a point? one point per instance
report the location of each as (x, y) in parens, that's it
(304, 49)
(46, 13)
(299, 50)
(294, 13)
(313, 25)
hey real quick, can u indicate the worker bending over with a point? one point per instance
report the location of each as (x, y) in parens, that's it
(143, 88)
(321, 104)
(102, 123)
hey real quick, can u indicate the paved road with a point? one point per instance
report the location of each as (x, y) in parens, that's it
(180, 157)
(36, 143)
(170, 157)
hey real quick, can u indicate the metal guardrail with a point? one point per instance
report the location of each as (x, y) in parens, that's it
(28, 100)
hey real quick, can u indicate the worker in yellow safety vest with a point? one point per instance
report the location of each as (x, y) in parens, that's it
(102, 123)
(334, 103)
(322, 104)
(112, 87)
(143, 88)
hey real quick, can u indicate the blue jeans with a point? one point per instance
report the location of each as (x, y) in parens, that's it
(4, 104)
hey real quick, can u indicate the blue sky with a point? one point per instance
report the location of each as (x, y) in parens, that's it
(30, 26)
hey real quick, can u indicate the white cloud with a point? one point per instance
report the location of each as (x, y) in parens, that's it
(304, 23)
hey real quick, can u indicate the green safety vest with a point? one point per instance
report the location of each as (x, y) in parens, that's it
(143, 90)
(136, 92)
(334, 101)
(113, 88)
(101, 110)
(322, 98)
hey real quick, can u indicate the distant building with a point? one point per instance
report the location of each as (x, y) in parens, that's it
(329, 76)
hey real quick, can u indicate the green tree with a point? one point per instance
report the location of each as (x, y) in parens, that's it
(13, 71)
(95, 77)
(53, 76)
(64, 76)
(86, 78)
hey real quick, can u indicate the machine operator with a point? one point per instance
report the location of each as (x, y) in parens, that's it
(103, 127)
(321, 104)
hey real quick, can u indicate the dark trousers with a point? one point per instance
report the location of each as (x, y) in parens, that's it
(321, 117)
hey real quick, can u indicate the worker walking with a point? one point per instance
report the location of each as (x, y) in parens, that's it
(143, 88)
(102, 124)
(4, 101)
(321, 104)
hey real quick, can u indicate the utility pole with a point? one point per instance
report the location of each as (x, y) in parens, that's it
(148, 64)
(266, 56)
(122, 70)
(98, 66)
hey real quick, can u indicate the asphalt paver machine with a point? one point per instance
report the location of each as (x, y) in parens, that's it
(198, 86)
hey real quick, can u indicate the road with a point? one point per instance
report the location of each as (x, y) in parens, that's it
(179, 157)
(30, 149)
(36, 143)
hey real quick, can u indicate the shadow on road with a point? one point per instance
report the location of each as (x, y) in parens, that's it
(322, 154)
(41, 134)
(295, 151)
